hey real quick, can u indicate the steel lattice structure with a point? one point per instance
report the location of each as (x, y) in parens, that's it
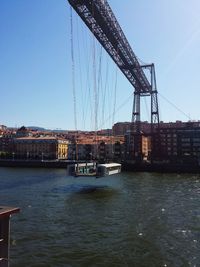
(101, 21)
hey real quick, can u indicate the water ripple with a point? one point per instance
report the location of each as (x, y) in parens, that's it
(133, 219)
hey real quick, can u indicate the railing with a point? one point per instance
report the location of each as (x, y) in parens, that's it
(5, 214)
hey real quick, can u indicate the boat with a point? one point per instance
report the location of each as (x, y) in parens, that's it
(92, 169)
(108, 169)
(82, 169)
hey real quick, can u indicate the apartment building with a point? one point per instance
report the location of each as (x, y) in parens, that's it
(40, 148)
(181, 145)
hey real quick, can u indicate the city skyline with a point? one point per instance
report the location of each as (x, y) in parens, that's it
(35, 67)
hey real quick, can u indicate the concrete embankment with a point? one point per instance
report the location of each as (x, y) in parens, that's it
(35, 163)
(167, 168)
(162, 168)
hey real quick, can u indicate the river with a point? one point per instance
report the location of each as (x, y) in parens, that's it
(129, 219)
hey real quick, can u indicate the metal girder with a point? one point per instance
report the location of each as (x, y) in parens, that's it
(101, 21)
(154, 102)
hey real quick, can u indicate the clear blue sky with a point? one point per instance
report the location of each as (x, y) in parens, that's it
(35, 62)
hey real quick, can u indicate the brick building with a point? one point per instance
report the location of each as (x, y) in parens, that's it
(177, 145)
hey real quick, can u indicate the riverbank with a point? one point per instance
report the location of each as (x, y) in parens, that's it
(162, 168)
(167, 168)
(35, 163)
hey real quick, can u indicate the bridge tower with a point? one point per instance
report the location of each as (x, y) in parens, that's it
(136, 135)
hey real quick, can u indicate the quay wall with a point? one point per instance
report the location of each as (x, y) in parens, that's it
(161, 168)
(34, 163)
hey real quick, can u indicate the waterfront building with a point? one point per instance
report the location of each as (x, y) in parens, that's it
(6, 144)
(40, 148)
(111, 151)
(92, 147)
(172, 142)
(121, 128)
(146, 147)
(164, 145)
(143, 142)
(178, 145)
(105, 151)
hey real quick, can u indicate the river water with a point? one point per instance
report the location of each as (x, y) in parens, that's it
(131, 219)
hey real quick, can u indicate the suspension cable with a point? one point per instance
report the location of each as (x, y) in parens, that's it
(80, 70)
(73, 69)
(99, 79)
(186, 115)
(117, 110)
(115, 96)
(104, 92)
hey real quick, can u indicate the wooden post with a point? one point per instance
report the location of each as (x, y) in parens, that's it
(5, 213)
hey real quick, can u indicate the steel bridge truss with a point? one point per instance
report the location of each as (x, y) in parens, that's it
(101, 21)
